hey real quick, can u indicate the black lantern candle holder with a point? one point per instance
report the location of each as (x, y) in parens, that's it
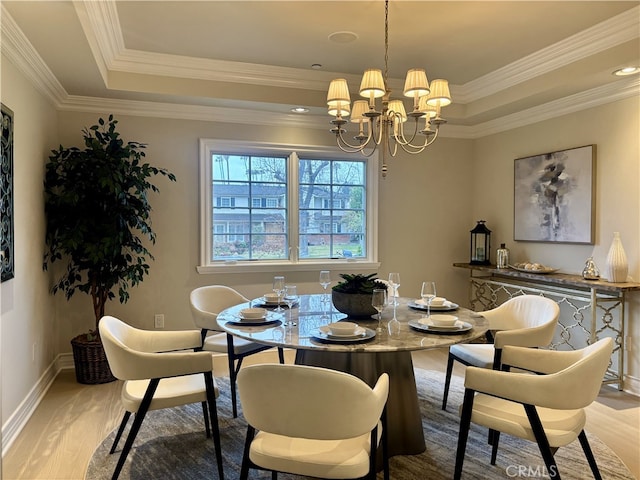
(480, 244)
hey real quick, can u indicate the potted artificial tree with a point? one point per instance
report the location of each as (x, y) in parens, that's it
(98, 224)
(352, 295)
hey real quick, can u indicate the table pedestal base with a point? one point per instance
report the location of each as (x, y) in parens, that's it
(405, 434)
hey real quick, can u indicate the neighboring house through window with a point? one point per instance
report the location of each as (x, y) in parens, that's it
(290, 205)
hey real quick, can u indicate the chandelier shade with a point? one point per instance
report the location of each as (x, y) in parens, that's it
(439, 95)
(341, 109)
(372, 84)
(397, 107)
(388, 125)
(416, 84)
(338, 92)
(359, 108)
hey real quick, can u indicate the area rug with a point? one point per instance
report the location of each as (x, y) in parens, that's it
(171, 445)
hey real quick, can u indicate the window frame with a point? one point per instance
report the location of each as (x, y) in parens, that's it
(292, 152)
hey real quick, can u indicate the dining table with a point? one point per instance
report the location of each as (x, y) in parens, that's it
(366, 354)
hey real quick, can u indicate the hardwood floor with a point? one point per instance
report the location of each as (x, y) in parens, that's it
(72, 420)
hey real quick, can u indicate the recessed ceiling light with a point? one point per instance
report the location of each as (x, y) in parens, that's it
(316, 66)
(300, 110)
(621, 72)
(343, 37)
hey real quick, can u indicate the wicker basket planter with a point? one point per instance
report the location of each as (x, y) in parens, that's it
(90, 361)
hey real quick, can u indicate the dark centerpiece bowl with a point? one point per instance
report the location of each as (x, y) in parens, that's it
(352, 295)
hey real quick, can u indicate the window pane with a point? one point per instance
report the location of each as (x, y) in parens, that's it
(249, 207)
(332, 211)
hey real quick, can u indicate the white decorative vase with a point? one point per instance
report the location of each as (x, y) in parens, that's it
(617, 266)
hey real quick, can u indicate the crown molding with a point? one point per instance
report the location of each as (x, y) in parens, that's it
(614, 31)
(17, 48)
(21, 53)
(607, 34)
(620, 90)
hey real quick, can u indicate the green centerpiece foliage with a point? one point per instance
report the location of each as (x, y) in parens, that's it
(358, 283)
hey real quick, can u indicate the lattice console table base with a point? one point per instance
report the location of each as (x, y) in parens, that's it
(589, 310)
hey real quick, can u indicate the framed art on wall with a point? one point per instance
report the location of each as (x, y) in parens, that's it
(554, 196)
(6, 196)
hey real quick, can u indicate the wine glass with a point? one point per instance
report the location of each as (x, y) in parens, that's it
(325, 281)
(378, 301)
(428, 293)
(278, 289)
(394, 281)
(290, 297)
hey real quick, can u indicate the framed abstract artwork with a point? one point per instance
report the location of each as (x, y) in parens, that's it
(554, 195)
(6, 196)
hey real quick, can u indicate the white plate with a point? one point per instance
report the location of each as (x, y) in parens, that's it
(428, 327)
(446, 306)
(320, 335)
(253, 319)
(254, 323)
(358, 332)
(263, 302)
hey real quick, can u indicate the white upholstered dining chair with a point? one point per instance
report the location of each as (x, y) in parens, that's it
(546, 407)
(312, 421)
(525, 321)
(206, 303)
(160, 370)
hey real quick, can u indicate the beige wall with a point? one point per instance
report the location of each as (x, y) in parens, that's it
(28, 315)
(615, 129)
(428, 204)
(410, 242)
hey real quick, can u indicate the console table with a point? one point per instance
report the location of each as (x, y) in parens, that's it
(589, 309)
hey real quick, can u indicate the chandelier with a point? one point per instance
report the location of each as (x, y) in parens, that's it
(386, 127)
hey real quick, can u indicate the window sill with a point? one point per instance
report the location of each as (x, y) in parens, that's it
(311, 266)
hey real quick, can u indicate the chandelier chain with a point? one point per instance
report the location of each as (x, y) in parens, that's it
(386, 44)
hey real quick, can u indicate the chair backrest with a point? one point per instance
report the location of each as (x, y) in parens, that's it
(575, 386)
(207, 302)
(539, 315)
(133, 353)
(310, 402)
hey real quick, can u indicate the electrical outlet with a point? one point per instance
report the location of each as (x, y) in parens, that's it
(158, 320)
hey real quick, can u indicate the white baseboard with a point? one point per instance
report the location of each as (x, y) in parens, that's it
(16, 422)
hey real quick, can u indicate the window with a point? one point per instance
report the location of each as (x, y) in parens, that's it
(266, 204)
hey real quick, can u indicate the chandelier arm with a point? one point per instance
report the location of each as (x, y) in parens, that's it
(400, 138)
(415, 149)
(349, 147)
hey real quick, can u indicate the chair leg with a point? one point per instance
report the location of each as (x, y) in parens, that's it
(495, 439)
(543, 442)
(465, 423)
(123, 424)
(385, 445)
(137, 421)
(373, 453)
(274, 475)
(213, 413)
(205, 413)
(589, 454)
(233, 373)
(244, 469)
(447, 381)
(281, 354)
